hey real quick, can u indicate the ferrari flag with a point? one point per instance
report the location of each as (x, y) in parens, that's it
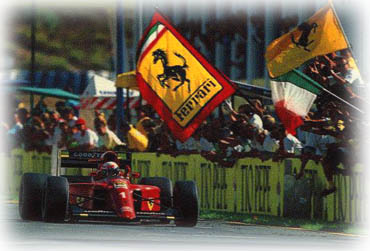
(176, 80)
(293, 95)
(320, 35)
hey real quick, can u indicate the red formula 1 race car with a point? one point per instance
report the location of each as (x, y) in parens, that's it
(106, 194)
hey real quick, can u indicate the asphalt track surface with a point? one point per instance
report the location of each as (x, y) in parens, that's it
(207, 235)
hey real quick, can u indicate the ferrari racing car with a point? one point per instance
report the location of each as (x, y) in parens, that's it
(108, 193)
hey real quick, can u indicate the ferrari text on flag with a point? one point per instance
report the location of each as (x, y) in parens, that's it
(293, 95)
(176, 80)
(320, 35)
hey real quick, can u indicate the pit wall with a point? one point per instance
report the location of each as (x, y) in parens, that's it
(250, 186)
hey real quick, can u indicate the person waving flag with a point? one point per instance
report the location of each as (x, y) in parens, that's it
(293, 93)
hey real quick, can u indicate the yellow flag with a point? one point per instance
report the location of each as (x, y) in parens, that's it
(177, 80)
(321, 34)
(198, 85)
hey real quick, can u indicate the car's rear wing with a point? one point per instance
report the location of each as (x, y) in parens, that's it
(85, 159)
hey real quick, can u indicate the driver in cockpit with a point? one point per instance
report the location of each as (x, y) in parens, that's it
(109, 166)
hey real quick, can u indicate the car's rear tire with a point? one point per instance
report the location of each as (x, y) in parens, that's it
(165, 185)
(78, 178)
(186, 201)
(30, 195)
(55, 199)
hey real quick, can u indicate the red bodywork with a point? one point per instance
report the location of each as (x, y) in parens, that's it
(115, 194)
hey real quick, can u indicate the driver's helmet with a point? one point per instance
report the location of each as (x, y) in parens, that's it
(109, 156)
(109, 168)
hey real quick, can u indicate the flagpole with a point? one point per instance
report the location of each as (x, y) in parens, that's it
(343, 100)
(119, 66)
(327, 91)
(349, 47)
(320, 87)
(341, 27)
(316, 85)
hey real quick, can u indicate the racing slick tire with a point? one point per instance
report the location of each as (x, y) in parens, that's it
(186, 201)
(30, 195)
(55, 199)
(165, 185)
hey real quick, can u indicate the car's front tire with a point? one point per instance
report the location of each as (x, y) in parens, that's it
(186, 201)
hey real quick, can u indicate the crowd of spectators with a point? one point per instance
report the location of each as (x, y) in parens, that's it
(330, 133)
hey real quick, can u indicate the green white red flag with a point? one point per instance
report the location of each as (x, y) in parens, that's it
(293, 95)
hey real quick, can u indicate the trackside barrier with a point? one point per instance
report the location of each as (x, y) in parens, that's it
(259, 187)
(345, 205)
(262, 187)
(21, 162)
(250, 186)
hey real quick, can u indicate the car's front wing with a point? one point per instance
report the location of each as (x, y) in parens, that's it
(104, 215)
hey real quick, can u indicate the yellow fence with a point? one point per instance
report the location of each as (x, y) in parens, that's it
(257, 187)
(250, 186)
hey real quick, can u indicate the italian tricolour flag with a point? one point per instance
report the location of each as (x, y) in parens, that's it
(293, 94)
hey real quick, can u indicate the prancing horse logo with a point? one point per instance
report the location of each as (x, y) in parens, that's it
(175, 72)
(303, 41)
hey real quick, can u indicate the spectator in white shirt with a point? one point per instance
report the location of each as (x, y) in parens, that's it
(58, 141)
(86, 138)
(265, 143)
(197, 143)
(292, 144)
(107, 140)
(17, 127)
(15, 131)
(253, 118)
